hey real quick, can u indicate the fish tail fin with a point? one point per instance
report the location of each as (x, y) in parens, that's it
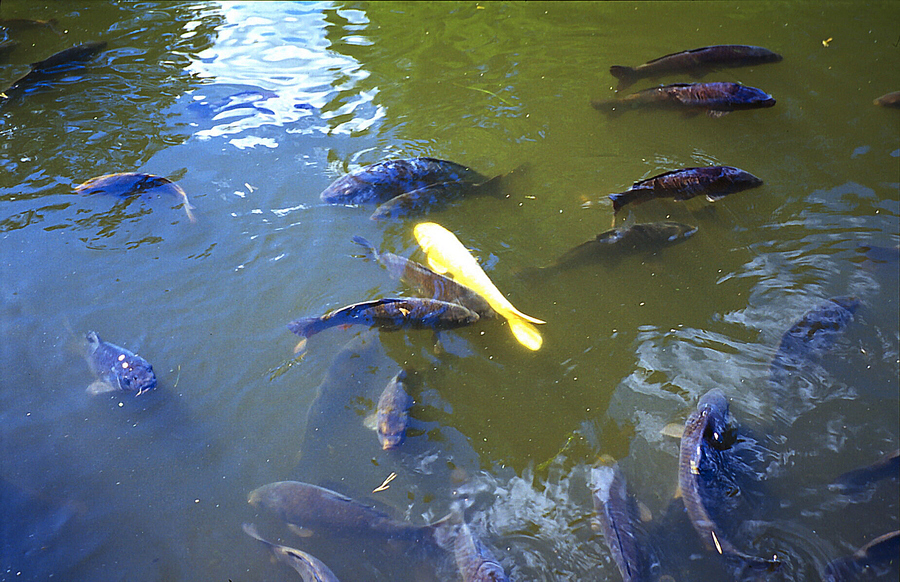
(618, 200)
(611, 107)
(500, 185)
(622, 73)
(526, 334)
(371, 251)
(308, 326)
(187, 210)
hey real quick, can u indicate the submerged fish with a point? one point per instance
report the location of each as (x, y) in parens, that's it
(318, 509)
(616, 512)
(390, 314)
(133, 183)
(311, 569)
(815, 333)
(876, 555)
(378, 183)
(55, 64)
(474, 560)
(697, 61)
(716, 99)
(887, 467)
(446, 254)
(426, 282)
(618, 241)
(714, 182)
(72, 55)
(117, 368)
(708, 426)
(392, 414)
(889, 100)
(419, 201)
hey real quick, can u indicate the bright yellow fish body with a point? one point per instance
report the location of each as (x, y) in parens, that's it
(447, 255)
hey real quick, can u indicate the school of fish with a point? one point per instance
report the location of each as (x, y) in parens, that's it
(453, 292)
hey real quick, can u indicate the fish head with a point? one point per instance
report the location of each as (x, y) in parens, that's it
(740, 178)
(390, 440)
(348, 187)
(134, 374)
(719, 426)
(490, 572)
(752, 98)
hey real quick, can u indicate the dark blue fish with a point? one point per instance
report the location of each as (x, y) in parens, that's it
(474, 560)
(426, 282)
(126, 184)
(714, 182)
(709, 427)
(615, 243)
(616, 515)
(813, 335)
(321, 510)
(716, 99)
(117, 368)
(419, 182)
(876, 556)
(54, 65)
(310, 568)
(392, 413)
(390, 314)
(887, 467)
(697, 61)
(889, 100)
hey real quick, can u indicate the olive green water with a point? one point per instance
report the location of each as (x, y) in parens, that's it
(255, 108)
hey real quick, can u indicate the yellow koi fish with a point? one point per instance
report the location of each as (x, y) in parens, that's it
(447, 255)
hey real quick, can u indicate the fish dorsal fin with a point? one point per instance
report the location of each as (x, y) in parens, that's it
(610, 236)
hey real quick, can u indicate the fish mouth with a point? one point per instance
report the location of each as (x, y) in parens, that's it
(391, 442)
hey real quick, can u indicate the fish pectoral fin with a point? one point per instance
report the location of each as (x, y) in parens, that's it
(714, 197)
(437, 266)
(100, 387)
(717, 113)
(300, 531)
(371, 421)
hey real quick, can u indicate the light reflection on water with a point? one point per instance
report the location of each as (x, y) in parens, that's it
(254, 108)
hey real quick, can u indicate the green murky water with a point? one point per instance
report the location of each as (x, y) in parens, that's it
(254, 108)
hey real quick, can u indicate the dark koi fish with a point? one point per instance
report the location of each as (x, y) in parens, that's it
(874, 556)
(889, 100)
(716, 99)
(390, 314)
(887, 467)
(392, 414)
(715, 182)
(426, 282)
(321, 510)
(697, 61)
(310, 568)
(814, 334)
(708, 426)
(617, 242)
(128, 184)
(616, 514)
(421, 182)
(117, 368)
(55, 64)
(474, 560)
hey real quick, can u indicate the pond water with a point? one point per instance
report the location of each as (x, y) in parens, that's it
(255, 108)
